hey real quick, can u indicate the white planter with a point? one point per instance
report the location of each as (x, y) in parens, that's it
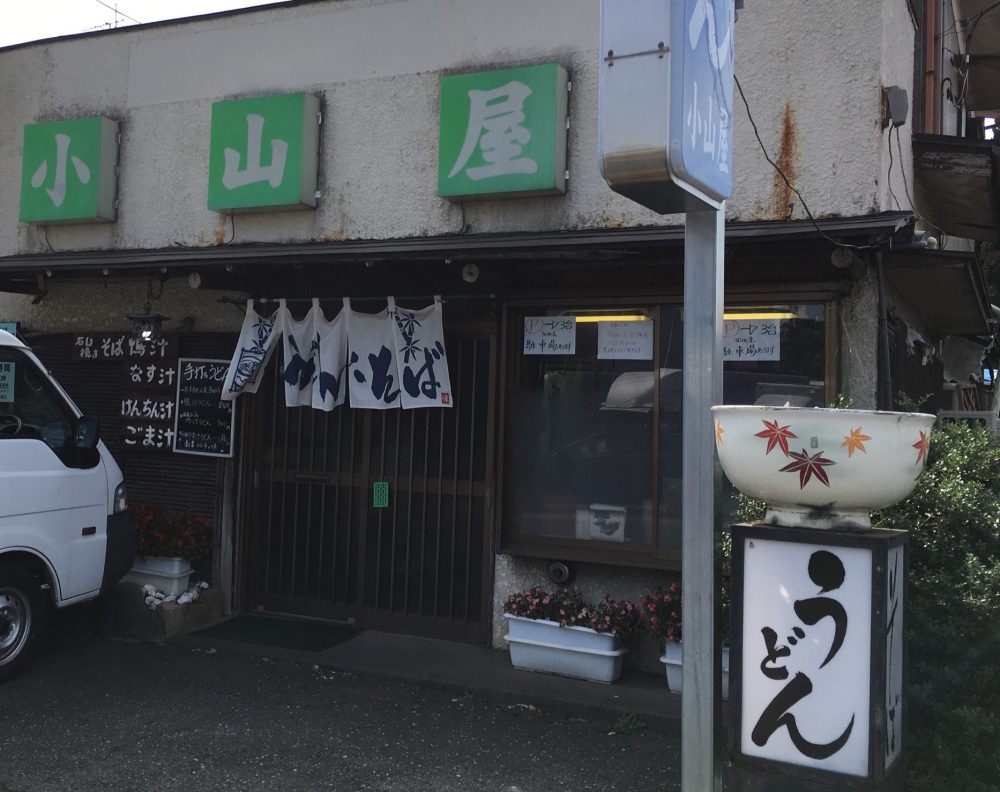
(542, 645)
(673, 659)
(821, 468)
(169, 575)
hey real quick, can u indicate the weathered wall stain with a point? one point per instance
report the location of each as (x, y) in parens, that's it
(787, 159)
(220, 230)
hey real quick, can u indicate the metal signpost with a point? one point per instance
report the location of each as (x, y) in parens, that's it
(665, 141)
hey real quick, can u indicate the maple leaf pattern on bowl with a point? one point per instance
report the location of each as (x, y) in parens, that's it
(843, 463)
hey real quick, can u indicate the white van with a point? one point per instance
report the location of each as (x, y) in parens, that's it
(64, 528)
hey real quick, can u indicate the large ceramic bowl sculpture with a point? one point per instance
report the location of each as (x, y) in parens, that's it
(822, 468)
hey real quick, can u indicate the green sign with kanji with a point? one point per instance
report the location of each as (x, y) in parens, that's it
(68, 171)
(503, 133)
(264, 153)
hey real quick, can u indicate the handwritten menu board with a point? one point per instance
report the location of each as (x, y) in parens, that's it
(123, 346)
(204, 424)
(149, 370)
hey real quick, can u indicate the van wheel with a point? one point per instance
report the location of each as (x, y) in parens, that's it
(19, 611)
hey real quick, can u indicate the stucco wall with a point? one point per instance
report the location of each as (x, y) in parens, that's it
(896, 69)
(811, 74)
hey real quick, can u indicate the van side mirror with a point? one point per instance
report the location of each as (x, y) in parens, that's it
(86, 434)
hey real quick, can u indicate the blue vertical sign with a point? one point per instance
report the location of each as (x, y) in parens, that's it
(701, 95)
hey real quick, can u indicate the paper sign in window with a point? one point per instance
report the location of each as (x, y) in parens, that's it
(550, 335)
(6, 382)
(751, 339)
(625, 340)
(607, 522)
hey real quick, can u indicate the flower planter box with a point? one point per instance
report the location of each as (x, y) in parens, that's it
(169, 575)
(542, 645)
(673, 659)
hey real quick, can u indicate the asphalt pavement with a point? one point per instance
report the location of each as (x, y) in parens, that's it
(97, 713)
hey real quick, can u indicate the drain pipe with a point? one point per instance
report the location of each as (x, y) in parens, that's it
(883, 397)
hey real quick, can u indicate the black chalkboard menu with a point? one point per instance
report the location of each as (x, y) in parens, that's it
(148, 385)
(204, 424)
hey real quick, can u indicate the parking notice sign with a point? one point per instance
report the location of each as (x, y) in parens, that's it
(6, 382)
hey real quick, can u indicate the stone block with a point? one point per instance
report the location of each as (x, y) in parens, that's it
(134, 619)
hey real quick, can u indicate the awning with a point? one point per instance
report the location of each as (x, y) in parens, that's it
(945, 288)
(956, 185)
(19, 273)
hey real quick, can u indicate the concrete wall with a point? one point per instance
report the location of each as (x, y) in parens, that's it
(812, 75)
(858, 339)
(896, 69)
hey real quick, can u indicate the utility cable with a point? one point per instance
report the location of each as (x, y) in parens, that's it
(974, 20)
(966, 21)
(117, 12)
(888, 177)
(899, 148)
(791, 187)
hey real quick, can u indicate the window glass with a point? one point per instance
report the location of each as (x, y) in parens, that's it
(29, 404)
(671, 426)
(775, 355)
(579, 425)
(587, 456)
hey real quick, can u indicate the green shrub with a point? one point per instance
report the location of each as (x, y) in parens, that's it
(953, 637)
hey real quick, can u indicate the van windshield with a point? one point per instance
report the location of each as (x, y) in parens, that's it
(30, 405)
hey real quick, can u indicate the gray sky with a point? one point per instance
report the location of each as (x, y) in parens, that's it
(30, 20)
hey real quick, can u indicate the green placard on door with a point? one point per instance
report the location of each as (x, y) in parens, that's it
(380, 494)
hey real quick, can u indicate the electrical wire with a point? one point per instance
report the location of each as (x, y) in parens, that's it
(966, 21)
(888, 176)
(902, 170)
(959, 101)
(975, 20)
(117, 12)
(791, 187)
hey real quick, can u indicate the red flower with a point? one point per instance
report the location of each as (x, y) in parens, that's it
(163, 532)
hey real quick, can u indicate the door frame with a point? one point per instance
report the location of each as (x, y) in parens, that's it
(253, 439)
